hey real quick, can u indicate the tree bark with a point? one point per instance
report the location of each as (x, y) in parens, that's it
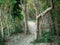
(1, 27)
(37, 23)
(26, 19)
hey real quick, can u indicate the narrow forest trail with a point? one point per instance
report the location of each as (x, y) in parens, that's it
(22, 39)
(32, 26)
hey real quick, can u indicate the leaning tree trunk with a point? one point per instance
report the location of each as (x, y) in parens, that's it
(43, 14)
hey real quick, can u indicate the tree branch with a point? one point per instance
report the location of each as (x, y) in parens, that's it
(43, 13)
(47, 10)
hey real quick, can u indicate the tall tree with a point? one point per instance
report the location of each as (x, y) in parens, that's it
(1, 27)
(41, 15)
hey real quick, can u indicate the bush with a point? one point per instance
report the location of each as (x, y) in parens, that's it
(18, 29)
(1, 40)
(45, 38)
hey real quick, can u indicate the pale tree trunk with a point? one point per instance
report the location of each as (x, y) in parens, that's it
(37, 20)
(1, 26)
(26, 19)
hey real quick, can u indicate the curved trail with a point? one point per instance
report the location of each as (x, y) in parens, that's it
(22, 39)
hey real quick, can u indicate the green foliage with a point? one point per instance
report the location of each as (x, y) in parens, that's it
(42, 1)
(55, 13)
(18, 26)
(18, 30)
(58, 40)
(13, 11)
(17, 11)
(44, 5)
(6, 32)
(46, 38)
(1, 40)
(0, 2)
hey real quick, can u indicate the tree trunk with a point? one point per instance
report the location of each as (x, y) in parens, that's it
(26, 19)
(1, 27)
(37, 28)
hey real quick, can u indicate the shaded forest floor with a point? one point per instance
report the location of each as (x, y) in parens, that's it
(20, 39)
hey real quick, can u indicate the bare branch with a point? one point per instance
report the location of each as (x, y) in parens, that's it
(47, 10)
(43, 13)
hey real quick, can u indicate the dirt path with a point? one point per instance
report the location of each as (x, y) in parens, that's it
(32, 26)
(22, 39)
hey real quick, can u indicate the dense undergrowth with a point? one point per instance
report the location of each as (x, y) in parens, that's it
(1, 39)
(15, 18)
(48, 37)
